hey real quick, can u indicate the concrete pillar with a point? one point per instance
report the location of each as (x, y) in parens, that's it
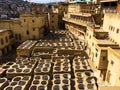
(1, 53)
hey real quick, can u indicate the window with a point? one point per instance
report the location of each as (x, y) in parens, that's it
(87, 34)
(33, 29)
(103, 58)
(96, 54)
(33, 21)
(20, 37)
(113, 29)
(52, 21)
(2, 42)
(52, 15)
(27, 32)
(92, 44)
(6, 38)
(112, 62)
(16, 37)
(90, 37)
(109, 27)
(24, 20)
(117, 31)
(96, 49)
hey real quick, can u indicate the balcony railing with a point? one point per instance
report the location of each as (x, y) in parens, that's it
(110, 11)
(81, 22)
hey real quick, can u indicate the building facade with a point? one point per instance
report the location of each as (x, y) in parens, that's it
(6, 41)
(28, 26)
(102, 41)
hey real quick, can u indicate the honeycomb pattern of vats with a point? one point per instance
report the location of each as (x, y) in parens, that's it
(21, 58)
(61, 81)
(27, 44)
(7, 65)
(80, 64)
(40, 82)
(62, 66)
(43, 67)
(3, 83)
(4, 68)
(19, 83)
(54, 44)
(65, 70)
(21, 67)
(35, 58)
(43, 54)
(85, 81)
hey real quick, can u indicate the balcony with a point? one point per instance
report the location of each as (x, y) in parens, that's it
(75, 21)
(108, 1)
(111, 11)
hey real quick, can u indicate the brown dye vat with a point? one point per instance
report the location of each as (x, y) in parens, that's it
(47, 65)
(26, 70)
(89, 80)
(32, 62)
(90, 86)
(15, 66)
(57, 68)
(45, 69)
(40, 66)
(43, 82)
(2, 80)
(18, 70)
(25, 78)
(85, 67)
(56, 87)
(41, 88)
(13, 83)
(36, 82)
(18, 88)
(81, 86)
(11, 70)
(65, 76)
(17, 79)
(58, 64)
(66, 64)
(57, 76)
(80, 80)
(9, 88)
(21, 66)
(41, 61)
(77, 67)
(88, 73)
(37, 77)
(29, 66)
(45, 77)
(83, 63)
(10, 63)
(77, 63)
(57, 82)
(5, 67)
(66, 68)
(65, 87)
(21, 83)
(33, 88)
(25, 62)
(65, 81)
(38, 70)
